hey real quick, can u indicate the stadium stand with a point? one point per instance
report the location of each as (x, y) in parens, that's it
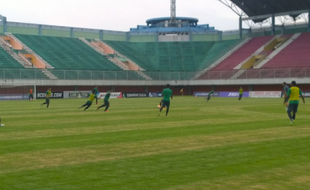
(11, 69)
(293, 56)
(243, 53)
(217, 51)
(6, 61)
(67, 53)
(173, 56)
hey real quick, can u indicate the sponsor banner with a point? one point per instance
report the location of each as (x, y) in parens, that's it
(135, 95)
(306, 94)
(265, 94)
(233, 94)
(14, 97)
(205, 94)
(54, 95)
(76, 94)
(155, 94)
(113, 95)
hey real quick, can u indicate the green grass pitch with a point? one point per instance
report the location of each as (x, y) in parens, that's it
(222, 144)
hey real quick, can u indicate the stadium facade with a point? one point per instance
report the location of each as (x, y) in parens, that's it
(175, 50)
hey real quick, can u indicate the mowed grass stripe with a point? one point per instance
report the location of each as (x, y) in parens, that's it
(167, 170)
(127, 136)
(68, 156)
(286, 178)
(89, 127)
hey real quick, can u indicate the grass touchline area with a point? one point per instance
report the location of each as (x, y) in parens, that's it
(220, 144)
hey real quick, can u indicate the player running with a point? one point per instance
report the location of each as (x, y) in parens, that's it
(209, 95)
(293, 93)
(96, 94)
(47, 99)
(240, 93)
(167, 93)
(160, 104)
(284, 93)
(92, 97)
(31, 94)
(1, 125)
(106, 101)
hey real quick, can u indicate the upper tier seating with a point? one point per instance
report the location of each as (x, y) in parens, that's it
(7, 61)
(294, 55)
(11, 69)
(67, 53)
(242, 53)
(173, 56)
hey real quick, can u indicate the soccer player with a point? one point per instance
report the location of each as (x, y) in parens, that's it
(167, 93)
(92, 97)
(209, 95)
(293, 93)
(106, 101)
(240, 93)
(1, 125)
(96, 93)
(284, 92)
(31, 94)
(160, 104)
(47, 99)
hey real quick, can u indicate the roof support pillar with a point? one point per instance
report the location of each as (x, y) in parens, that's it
(309, 21)
(273, 30)
(71, 32)
(40, 30)
(101, 35)
(128, 36)
(240, 27)
(4, 22)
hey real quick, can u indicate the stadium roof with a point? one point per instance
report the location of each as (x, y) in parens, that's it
(161, 19)
(255, 8)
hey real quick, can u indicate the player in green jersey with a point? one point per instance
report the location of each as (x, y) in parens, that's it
(240, 93)
(90, 101)
(209, 95)
(47, 99)
(293, 93)
(96, 94)
(284, 93)
(167, 94)
(106, 101)
(1, 125)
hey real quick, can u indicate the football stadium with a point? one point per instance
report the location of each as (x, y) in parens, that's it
(172, 104)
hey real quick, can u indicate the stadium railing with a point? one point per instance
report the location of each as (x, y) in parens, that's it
(259, 73)
(133, 75)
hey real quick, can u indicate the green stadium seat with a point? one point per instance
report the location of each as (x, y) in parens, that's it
(173, 56)
(67, 53)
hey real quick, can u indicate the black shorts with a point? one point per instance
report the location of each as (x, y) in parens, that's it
(47, 100)
(89, 103)
(166, 104)
(31, 96)
(292, 108)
